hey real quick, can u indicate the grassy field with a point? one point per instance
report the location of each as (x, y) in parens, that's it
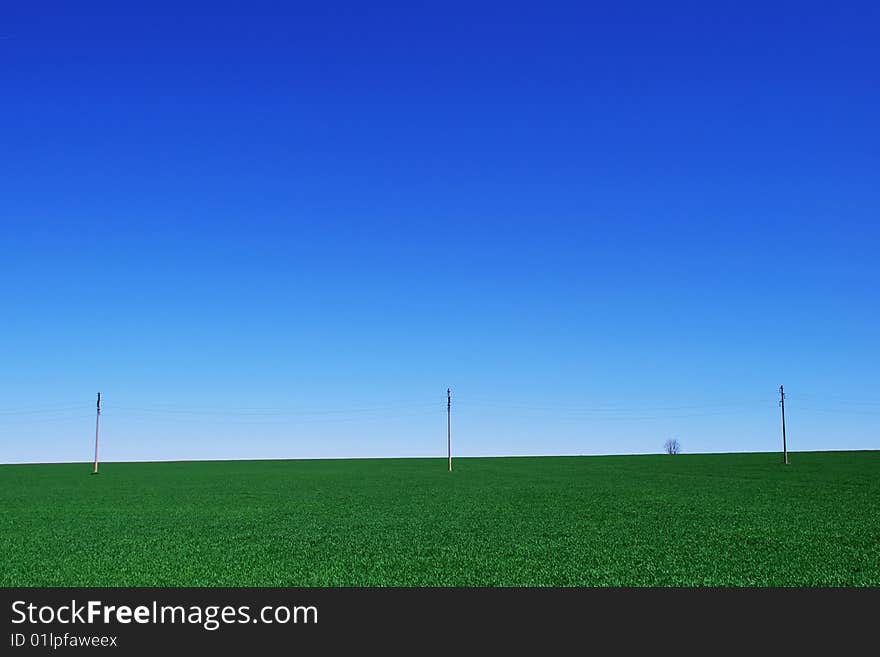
(741, 519)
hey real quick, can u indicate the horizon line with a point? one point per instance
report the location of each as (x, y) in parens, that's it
(443, 458)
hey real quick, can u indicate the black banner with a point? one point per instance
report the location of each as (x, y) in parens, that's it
(152, 620)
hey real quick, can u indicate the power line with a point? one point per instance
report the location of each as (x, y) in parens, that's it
(838, 400)
(36, 410)
(271, 411)
(843, 411)
(612, 407)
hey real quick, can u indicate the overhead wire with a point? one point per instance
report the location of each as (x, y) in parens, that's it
(487, 406)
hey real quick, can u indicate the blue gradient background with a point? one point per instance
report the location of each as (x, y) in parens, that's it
(283, 232)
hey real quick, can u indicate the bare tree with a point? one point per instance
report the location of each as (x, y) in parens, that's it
(671, 446)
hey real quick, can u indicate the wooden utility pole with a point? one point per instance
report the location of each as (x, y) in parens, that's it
(97, 433)
(449, 426)
(782, 405)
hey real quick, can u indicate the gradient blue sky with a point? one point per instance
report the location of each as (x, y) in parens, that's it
(268, 232)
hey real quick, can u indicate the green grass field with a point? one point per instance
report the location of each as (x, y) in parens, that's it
(741, 519)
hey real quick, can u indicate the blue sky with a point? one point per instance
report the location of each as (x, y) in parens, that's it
(268, 232)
